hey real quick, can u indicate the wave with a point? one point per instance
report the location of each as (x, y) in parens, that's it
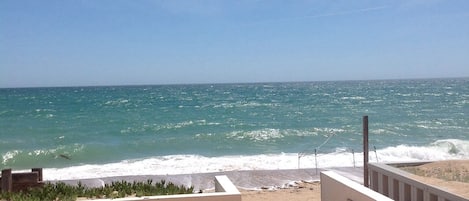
(188, 164)
(168, 126)
(271, 134)
(23, 158)
(117, 102)
(256, 135)
(243, 104)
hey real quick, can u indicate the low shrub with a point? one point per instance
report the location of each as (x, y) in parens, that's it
(63, 192)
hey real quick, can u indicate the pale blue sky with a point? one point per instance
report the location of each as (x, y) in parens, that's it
(120, 42)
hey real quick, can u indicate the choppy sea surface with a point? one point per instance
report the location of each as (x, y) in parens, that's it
(88, 132)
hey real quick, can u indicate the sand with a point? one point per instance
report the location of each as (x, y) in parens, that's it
(440, 174)
(301, 184)
(305, 191)
(451, 175)
(255, 185)
(248, 179)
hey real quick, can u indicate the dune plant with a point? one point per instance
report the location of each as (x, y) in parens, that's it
(63, 192)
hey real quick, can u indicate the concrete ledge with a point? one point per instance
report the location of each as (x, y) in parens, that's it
(223, 184)
(335, 187)
(224, 190)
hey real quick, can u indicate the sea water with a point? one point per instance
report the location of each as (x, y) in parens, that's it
(86, 132)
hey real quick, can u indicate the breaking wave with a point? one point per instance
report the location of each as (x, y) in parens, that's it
(188, 164)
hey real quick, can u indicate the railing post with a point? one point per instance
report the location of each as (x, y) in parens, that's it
(39, 173)
(7, 182)
(365, 152)
(402, 191)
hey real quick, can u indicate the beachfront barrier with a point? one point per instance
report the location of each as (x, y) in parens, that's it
(14, 182)
(399, 185)
(224, 190)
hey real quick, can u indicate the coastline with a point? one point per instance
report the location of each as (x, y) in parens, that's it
(254, 185)
(292, 184)
(244, 180)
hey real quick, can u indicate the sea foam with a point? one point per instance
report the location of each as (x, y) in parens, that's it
(189, 164)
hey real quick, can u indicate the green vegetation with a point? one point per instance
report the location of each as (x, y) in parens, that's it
(63, 192)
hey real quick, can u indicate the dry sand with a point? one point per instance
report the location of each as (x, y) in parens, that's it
(303, 192)
(452, 175)
(434, 171)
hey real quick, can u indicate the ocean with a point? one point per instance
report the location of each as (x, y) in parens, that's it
(90, 132)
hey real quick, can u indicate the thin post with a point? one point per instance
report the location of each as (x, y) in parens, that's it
(316, 160)
(7, 180)
(376, 154)
(299, 160)
(366, 181)
(353, 154)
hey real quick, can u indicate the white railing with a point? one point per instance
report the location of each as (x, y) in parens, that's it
(335, 187)
(399, 185)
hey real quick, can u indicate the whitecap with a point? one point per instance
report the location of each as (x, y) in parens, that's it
(184, 164)
(10, 155)
(257, 135)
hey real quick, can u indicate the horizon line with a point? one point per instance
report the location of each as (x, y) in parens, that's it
(230, 83)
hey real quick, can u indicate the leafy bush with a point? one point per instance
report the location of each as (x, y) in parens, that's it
(63, 192)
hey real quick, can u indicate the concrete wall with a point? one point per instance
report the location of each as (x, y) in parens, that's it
(224, 190)
(14, 182)
(398, 185)
(335, 187)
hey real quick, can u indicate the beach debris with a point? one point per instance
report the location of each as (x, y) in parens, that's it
(310, 181)
(270, 188)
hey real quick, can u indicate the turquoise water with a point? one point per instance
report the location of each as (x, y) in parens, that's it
(198, 128)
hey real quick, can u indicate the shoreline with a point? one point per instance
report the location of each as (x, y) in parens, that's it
(292, 184)
(245, 180)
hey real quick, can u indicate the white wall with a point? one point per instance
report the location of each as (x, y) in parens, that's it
(335, 187)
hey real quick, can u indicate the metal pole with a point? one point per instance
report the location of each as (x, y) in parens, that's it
(316, 160)
(299, 160)
(365, 152)
(376, 154)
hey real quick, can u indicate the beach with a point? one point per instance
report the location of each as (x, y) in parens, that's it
(296, 184)
(244, 180)
(302, 192)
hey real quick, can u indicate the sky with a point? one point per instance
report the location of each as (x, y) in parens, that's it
(136, 42)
